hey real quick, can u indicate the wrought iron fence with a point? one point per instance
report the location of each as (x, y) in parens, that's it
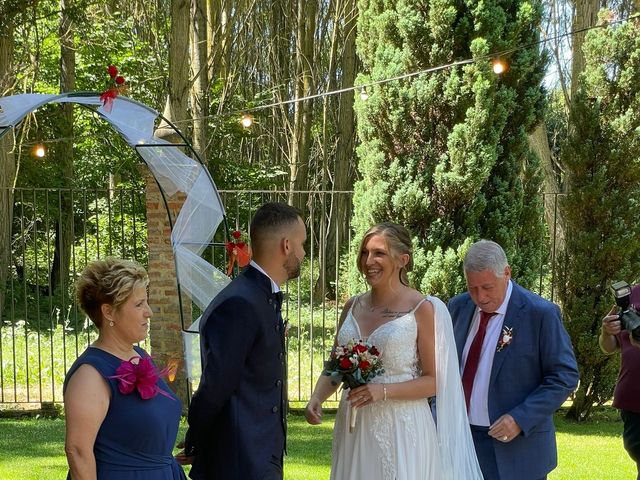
(42, 331)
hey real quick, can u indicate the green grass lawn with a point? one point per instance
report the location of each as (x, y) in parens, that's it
(32, 449)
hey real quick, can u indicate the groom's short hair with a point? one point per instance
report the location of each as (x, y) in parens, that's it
(271, 219)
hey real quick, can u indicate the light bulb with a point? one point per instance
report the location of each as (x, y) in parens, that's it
(39, 151)
(246, 121)
(364, 96)
(498, 66)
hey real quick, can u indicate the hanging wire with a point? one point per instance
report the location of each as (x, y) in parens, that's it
(244, 112)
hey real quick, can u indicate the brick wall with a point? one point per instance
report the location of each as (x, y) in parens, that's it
(166, 325)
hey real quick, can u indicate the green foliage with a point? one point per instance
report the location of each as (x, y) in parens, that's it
(601, 158)
(446, 153)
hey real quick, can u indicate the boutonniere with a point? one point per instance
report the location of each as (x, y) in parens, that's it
(505, 338)
(140, 374)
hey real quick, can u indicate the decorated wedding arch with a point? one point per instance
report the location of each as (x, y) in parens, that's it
(174, 171)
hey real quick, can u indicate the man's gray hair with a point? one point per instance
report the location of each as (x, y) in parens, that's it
(485, 255)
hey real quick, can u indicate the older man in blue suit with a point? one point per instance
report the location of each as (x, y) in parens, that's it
(518, 367)
(237, 418)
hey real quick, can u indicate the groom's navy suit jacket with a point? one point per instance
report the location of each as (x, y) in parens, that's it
(237, 416)
(530, 379)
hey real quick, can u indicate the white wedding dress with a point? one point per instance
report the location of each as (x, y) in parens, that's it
(398, 439)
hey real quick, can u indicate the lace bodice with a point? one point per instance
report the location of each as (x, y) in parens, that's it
(397, 342)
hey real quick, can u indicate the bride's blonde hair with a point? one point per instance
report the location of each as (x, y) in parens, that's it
(398, 240)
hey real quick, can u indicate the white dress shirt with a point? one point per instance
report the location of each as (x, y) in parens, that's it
(478, 404)
(275, 288)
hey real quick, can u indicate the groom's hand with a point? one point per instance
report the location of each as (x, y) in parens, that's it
(181, 457)
(184, 459)
(505, 429)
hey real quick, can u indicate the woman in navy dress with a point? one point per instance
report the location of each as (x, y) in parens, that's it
(121, 418)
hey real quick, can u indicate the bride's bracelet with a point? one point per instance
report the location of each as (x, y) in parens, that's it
(384, 392)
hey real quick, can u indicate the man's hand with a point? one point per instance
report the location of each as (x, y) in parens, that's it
(181, 457)
(505, 429)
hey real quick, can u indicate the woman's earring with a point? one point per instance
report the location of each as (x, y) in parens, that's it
(111, 323)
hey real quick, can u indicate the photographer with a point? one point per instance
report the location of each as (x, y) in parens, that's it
(627, 392)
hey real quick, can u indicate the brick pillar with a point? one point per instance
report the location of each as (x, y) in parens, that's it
(166, 327)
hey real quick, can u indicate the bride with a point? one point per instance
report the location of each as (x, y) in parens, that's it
(395, 436)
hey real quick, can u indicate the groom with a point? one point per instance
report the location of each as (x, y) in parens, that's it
(237, 422)
(518, 367)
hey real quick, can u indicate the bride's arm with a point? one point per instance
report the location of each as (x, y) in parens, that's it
(324, 388)
(421, 387)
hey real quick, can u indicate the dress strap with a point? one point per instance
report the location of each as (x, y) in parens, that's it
(418, 305)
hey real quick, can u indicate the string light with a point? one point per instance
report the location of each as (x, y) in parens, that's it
(39, 151)
(246, 121)
(364, 96)
(498, 66)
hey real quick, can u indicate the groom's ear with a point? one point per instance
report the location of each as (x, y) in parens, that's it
(285, 245)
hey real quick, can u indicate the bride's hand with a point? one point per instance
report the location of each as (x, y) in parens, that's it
(366, 394)
(313, 411)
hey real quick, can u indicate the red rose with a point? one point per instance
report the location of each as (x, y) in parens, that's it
(113, 71)
(359, 348)
(345, 363)
(364, 365)
(374, 351)
(236, 234)
(119, 80)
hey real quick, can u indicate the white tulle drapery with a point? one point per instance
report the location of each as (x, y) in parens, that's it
(200, 215)
(457, 453)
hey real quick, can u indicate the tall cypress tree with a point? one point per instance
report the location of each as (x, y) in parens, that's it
(601, 160)
(446, 153)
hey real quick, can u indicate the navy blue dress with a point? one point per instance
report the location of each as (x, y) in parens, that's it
(136, 438)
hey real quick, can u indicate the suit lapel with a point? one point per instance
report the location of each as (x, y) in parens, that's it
(512, 319)
(463, 325)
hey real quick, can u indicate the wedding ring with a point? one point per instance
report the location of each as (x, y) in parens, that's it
(504, 439)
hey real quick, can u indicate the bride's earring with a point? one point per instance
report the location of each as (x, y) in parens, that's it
(111, 324)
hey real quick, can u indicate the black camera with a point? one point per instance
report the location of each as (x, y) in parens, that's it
(629, 317)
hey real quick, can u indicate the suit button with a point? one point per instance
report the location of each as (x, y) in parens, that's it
(278, 328)
(274, 409)
(278, 383)
(270, 301)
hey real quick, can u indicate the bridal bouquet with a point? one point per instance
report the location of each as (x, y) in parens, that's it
(353, 364)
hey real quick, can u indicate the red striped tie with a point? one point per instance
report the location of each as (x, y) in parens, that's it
(473, 357)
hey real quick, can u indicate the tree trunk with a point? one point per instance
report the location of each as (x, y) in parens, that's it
(7, 157)
(585, 15)
(64, 152)
(219, 34)
(199, 68)
(301, 144)
(539, 143)
(175, 108)
(279, 69)
(337, 223)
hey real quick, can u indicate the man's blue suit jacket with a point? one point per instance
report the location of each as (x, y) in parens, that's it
(237, 416)
(530, 379)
